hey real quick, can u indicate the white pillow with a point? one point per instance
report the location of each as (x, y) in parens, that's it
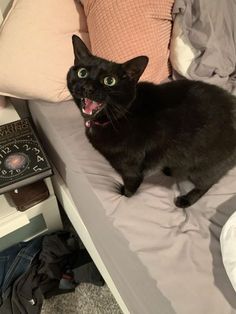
(182, 53)
(36, 48)
(228, 248)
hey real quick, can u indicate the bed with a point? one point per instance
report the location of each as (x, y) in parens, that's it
(159, 258)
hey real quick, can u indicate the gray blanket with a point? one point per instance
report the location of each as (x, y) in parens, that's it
(210, 26)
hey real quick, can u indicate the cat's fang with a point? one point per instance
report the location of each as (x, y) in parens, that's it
(87, 112)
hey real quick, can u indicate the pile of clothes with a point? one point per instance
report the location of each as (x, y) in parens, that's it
(41, 268)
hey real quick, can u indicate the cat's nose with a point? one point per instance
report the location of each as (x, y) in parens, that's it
(88, 89)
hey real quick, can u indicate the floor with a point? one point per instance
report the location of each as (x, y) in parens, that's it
(87, 299)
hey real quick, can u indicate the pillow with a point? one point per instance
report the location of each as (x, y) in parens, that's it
(228, 248)
(36, 48)
(121, 30)
(2, 102)
(182, 53)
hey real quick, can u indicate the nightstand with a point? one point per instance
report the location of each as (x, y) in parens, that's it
(44, 217)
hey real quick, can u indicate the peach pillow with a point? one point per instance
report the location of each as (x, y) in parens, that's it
(36, 48)
(121, 30)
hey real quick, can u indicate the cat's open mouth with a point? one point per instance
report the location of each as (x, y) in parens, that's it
(91, 107)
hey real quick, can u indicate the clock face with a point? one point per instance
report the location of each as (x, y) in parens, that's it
(20, 158)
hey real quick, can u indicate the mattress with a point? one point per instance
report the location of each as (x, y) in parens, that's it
(162, 259)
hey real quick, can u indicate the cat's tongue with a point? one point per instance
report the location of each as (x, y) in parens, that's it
(90, 106)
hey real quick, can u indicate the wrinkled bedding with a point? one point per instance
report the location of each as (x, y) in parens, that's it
(178, 249)
(210, 29)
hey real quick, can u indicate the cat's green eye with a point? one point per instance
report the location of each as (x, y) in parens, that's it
(82, 73)
(109, 81)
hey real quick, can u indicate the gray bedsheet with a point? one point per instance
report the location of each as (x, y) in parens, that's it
(163, 259)
(210, 26)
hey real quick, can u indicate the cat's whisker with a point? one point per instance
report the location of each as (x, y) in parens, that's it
(115, 93)
(113, 112)
(116, 114)
(120, 111)
(117, 108)
(110, 119)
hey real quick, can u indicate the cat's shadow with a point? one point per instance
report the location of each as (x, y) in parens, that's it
(155, 180)
(168, 182)
(160, 179)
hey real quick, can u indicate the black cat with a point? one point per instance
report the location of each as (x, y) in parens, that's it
(186, 128)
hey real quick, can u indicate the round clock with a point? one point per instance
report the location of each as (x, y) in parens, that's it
(20, 158)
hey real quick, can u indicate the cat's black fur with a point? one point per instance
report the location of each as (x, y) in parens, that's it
(186, 128)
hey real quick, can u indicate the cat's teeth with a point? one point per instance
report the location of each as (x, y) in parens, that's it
(88, 113)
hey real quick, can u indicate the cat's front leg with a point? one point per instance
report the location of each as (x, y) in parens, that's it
(131, 183)
(131, 170)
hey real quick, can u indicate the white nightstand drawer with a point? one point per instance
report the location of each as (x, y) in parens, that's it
(12, 222)
(36, 226)
(18, 226)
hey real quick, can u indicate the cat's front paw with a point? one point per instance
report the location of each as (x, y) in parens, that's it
(182, 201)
(125, 192)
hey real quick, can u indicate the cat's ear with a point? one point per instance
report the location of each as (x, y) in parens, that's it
(80, 50)
(135, 67)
